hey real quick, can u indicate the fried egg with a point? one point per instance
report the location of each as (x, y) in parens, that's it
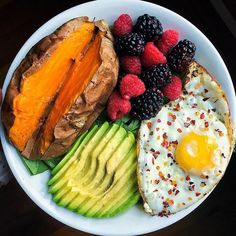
(183, 151)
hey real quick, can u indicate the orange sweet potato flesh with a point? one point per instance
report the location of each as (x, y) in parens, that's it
(40, 88)
(60, 88)
(78, 77)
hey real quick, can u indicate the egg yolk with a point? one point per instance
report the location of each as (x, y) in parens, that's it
(194, 152)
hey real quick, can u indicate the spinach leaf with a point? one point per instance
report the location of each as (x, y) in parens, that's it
(53, 162)
(34, 166)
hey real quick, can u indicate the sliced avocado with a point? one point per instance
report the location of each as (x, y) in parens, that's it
(105, 141)
(81, 167)
(111, 165)
(107, 152)
(122, 185)
(71, 152)
(129, 203)
(98, 179)
(72, 166)
(104, 156)
(70, 157)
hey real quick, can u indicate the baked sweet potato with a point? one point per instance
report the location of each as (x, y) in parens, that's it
(60, 88)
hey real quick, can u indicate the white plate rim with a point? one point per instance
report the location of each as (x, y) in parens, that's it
(24, 49)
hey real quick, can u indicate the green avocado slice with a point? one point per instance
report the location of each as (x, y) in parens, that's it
(92, 170)
(63, 165)
(72, 165)
(110, 178)
(121, 182)
(97, 178)
(106, 153)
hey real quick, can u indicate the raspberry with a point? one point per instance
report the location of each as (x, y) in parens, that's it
(123, 25)
(152, 56)
(131, 64)
(173, 89)
(117, 106)
(131, 86)
(168, 40)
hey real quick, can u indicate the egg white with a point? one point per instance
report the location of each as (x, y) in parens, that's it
(202, 108)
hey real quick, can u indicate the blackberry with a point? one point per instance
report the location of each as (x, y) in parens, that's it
(181, 56)
(149, 26)
(157, 76)
(147, 105)
(131, 44)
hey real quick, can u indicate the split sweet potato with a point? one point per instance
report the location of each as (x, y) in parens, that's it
(60, 88)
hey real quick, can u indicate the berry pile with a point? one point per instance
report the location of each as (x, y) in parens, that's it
(150, 60)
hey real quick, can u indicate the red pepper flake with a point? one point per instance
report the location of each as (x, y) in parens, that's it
(177, 191)
(168, 175)
(149, 125)
(206, 124)
(205, 90)
(205, 99)
(188, 118)
(187, 178)
(169, 123)
(153, 161)
(179, 130)
(164, 143)
(147, 170)
(152, 150)
(158, 120)
(203, 184)
(208, 111)
(204, 176)
(165, 204)
(157, 129)
(202, 116)
(172, 116)
(165, 136)
(197, 194)
(169, 155)
(161, 174)
(170, 191)
(157, 181)
(221, 133)
(155, 191)
(177, 107)
(191, 187)
(155, 155)
(175, 142)
(169, 201)
(194, 105)
(190, 93)
(186, 125)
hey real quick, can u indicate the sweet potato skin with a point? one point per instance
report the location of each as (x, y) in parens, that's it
(87, 106)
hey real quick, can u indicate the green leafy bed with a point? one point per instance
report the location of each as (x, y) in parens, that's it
(37, 166)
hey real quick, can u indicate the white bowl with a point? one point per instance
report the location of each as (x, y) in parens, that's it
(135, 221)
